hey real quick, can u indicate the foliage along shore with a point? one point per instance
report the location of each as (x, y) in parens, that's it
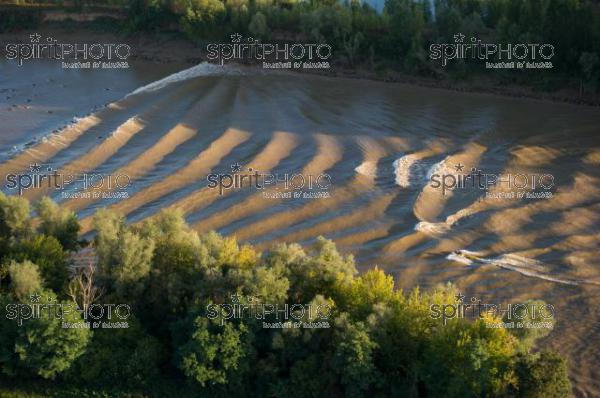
(380, 341)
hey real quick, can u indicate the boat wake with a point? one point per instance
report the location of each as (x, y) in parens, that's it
(523, 265)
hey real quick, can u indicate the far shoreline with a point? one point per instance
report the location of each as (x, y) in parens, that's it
(172, 48)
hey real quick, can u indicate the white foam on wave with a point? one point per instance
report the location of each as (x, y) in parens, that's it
(439, 228)
(402, 169)
(459, 259)
(524, 270)
(523, 265)
(467, 257)
(368, 168)
(459, 215)
(515, 260)
(441, 167)
(435, 169)
(54, 137)
(406, 169)
(203, 69)
(432, 228)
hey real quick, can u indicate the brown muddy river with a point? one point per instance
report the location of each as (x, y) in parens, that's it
(500, 196)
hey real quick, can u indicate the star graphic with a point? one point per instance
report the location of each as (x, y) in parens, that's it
(35, 167)
(459, 37)
(35, 298)
(236, 38)
(459, 297)
(236, 168)
(35, 38)
(459, 167)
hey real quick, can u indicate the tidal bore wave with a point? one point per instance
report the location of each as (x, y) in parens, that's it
(380, 145)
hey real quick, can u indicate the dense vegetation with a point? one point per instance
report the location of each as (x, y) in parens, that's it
(381, 342)
(396, 39)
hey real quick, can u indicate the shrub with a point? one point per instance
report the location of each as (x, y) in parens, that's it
(24, 279)
(543, 376)
(41, 346)
(50, 257)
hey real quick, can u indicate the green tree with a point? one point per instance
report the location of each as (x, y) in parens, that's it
(543, 376)
(360, 295)
(530, 312)
(199, 16)
(125, 357)
(41, 346)
(258, 25)
(58, 222)
(308, 378)
(318, 273)
(24, 279)
(469, 359)
(353, 357)
(589, 69)
(50, 257)
(213, 354)
(133, 256)
(124, 256)
(14, 217)
(407, 26)
(108, 226)
(176, 264)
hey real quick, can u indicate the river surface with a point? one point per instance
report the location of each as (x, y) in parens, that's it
(373, 152)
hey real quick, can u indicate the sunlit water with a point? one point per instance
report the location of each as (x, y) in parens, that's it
(380, 143)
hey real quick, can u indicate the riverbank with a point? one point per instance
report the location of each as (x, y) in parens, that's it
(173, 47)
